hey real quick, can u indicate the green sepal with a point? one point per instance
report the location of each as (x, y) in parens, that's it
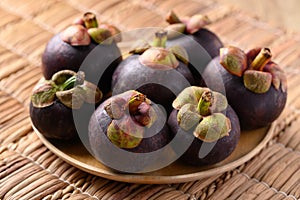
(213, 127)
(124, 133)
(188, 117)
(43, 94)
(257, 81)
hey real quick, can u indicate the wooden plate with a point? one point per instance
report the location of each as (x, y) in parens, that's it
(250, 143)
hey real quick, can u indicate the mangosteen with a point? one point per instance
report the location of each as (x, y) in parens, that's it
(125, 128)
(69, 48)
(205, 116)
(53, 102)
(256, 87)
(158, 72)
(200, 43)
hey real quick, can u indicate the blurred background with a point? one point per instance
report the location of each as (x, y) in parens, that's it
(280, 13)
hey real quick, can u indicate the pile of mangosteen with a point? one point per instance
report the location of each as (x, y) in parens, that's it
(185, 83)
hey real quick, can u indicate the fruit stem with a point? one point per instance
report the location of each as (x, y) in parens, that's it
(134, 103)
(70, 82)
(205, 103)
(90, 20)
(172, 18)
(160, 39)
(261, 59)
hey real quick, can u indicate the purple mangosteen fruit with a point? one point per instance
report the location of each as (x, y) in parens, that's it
(205, 116)
(158, 72)
(69, 48)
(127, 122)
(255, 86)
(200, 43)
(54, 101)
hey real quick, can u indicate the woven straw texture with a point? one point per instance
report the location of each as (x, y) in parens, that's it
(28, 170)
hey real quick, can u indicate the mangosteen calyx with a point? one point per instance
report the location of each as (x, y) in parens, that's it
(201, 109)
(87, 29)
(76, 35)
(157, 56)
(68, 87)
(233, 60)
(256, 68)
(187, 25)
(100, 35)
(130, 114)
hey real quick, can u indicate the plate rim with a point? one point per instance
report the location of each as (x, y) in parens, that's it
(157, 179)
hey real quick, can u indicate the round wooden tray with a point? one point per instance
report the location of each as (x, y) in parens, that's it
(74, 153)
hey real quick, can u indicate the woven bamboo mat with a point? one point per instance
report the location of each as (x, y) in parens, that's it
(28, 170)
